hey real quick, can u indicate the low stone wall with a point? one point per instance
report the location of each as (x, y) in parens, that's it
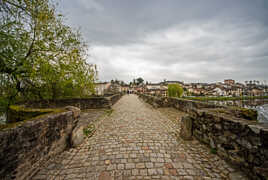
(189, 106)
(155, 101)
(242, 142)
(182, 104)
(27, 144)
(22, 111)
(82, 103)
(114, 98)
(231, 132)
(29, 141)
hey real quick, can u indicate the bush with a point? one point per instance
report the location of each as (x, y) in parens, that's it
(175, 90)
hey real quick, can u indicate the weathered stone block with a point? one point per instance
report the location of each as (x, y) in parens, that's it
(212, 143)
(264, 137)
(237, 176)
(76, 111)
(186, 128)
(255, 128)
(262, 170)
(78, 136)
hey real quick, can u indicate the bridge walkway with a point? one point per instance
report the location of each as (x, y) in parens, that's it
(138, 142)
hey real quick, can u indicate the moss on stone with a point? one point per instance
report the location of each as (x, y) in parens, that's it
(249, 114)
(20, 113)
(9, 125)
(23, 114)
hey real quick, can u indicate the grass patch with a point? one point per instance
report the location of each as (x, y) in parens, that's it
(204, 98)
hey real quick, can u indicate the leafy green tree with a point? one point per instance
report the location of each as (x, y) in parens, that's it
(40, 57)
(140, 80)
(175, 90)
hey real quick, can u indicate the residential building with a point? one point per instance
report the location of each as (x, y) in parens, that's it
(125, 88)
(157, 89)
(114, 88)
(102, 88)
(229, 81)
(219, 91)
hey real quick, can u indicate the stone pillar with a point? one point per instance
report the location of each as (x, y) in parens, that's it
(186, 128)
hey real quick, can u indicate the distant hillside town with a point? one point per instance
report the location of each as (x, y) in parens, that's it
(227, 88)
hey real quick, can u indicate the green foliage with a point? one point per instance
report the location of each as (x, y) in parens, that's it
(213, 151)
(3, 104)
(89, 130)
(40, 57)
(140, 80)
(109, 112)
(175, 90)
(204, 98)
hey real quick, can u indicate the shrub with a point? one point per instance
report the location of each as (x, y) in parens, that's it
(175, 90)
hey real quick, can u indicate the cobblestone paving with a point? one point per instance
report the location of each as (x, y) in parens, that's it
(137, 142)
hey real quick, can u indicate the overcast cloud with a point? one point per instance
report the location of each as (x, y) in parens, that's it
(190, 40)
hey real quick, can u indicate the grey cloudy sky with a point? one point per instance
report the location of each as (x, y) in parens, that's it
(187, 40)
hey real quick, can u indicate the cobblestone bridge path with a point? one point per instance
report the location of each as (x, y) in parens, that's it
(138, 142)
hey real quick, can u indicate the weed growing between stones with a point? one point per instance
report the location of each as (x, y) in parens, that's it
(109, 112)
(89, 130)
(213, 151)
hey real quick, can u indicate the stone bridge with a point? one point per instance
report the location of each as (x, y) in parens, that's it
(137, 141)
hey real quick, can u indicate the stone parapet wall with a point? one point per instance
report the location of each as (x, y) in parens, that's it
(230, 132)
(114, 98)
(27, 144)
(82, 103)
(155, 101)
(35, 135)
(189, 105)
(241, 142)
(182, 104)
(23, 111)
